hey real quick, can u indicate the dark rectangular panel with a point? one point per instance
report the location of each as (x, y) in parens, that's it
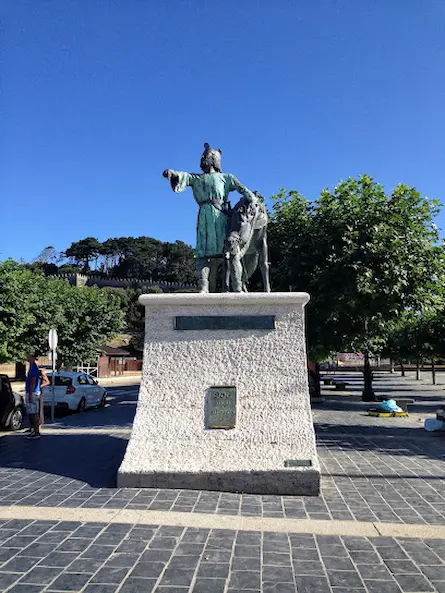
(225, 322)
(298, 463)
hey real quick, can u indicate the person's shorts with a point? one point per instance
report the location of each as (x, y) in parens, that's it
(33, 407)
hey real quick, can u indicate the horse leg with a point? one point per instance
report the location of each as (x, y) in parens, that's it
(264, 264)
(226, 272)
(236, 272)
(250, 263)
(214, 265)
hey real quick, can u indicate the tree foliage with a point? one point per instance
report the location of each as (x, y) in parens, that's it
(135, 257)
(363, 255)
(48, 255)
(31, 304)
(417, 336)
(83, 251)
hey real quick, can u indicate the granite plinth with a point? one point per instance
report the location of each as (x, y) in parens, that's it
(172, 444)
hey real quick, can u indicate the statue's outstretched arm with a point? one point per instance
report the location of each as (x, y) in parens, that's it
(236, 185)
(172, 177)
(179, 180)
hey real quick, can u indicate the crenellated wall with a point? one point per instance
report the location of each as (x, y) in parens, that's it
(101, 282)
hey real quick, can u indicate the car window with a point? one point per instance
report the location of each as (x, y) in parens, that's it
(61, 381)
(90, 380)
(82, 380)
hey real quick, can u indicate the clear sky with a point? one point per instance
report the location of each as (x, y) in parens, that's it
(99, 96)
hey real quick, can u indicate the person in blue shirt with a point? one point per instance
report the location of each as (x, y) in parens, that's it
(33, 395)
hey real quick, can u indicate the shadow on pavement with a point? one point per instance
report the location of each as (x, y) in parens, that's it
(380, 430)
(91, 458)
(388, 440)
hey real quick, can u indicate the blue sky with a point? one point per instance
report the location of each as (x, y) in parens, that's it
(99, 96)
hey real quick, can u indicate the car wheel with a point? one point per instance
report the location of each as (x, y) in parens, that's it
(103, 401)
(82, 405)
(16, 420)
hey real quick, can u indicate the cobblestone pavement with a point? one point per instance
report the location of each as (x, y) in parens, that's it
(69, 556)
(374, 470)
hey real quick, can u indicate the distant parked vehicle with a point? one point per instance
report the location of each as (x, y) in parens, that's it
(12, 406)
(74, 392)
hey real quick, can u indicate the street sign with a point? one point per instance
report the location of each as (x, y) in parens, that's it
(52, 339)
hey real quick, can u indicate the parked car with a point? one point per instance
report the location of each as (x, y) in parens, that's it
(12, 406)
(74, 392)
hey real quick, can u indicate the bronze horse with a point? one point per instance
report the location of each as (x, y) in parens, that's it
(246, 244)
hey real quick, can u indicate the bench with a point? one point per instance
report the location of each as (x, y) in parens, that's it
(340, 385)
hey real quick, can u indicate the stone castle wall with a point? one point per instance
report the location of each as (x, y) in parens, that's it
(101, 282)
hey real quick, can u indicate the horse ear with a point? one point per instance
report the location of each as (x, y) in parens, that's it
(219, 150)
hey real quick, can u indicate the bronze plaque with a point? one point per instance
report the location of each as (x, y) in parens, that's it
(221, 411)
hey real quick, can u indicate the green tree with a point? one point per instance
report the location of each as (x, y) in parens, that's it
(48, 255)
(31, 304)
(83, 251)
(363, 255)
(135, 316)
(418, 336)
(148, 258)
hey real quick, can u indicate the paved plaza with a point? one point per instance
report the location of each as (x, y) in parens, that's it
(378, 525)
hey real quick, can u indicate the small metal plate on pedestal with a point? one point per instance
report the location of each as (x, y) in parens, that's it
(224, 322)
(298, 463)
(221, 410)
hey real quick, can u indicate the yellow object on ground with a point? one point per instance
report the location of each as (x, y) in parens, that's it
(380, 414)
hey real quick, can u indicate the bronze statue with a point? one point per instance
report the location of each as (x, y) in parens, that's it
(247, 232)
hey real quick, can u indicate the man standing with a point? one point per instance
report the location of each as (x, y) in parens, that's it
(32, 396)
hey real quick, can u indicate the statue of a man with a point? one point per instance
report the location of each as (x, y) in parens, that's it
(210, 190)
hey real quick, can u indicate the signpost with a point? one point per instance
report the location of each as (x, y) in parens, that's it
(52, 340)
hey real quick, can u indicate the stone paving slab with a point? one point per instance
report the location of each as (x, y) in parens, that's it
(74, 556)
(387, 474)
(378, 470)
(365, 479)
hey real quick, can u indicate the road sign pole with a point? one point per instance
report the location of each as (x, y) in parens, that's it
(53, 379)
(52, 340)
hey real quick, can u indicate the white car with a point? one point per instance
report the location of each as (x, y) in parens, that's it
(75, 392)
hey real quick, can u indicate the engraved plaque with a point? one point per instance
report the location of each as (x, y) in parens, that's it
(225, 322)
(221, 411)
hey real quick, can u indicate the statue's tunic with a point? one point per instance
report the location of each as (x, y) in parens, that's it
(210, 191)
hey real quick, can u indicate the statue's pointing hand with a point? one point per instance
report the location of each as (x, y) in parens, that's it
(172, 177)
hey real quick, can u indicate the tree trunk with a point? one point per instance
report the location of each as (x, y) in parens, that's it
(20, 371)
(318, 382)
(417, 370)
(368, 394)
(391, 366)
(433, 371)
(402, 368)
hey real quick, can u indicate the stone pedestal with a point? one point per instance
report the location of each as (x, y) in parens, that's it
(224, 402)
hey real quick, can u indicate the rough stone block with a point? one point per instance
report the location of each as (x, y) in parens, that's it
(271, 448)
